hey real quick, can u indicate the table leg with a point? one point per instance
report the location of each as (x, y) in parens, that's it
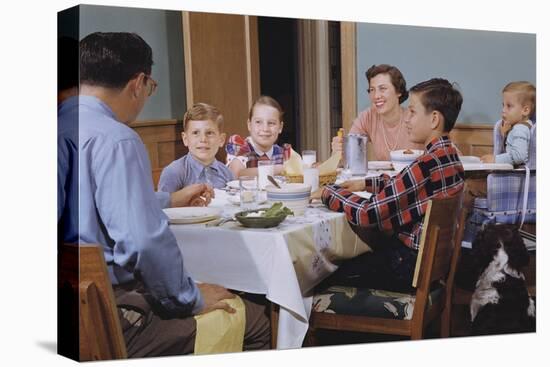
(274, 316)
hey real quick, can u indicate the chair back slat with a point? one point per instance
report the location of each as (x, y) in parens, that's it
(437, 241)
(100, 333)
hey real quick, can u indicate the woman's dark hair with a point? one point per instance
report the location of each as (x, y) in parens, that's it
(438, 94)
(397, 79)
(112, 59)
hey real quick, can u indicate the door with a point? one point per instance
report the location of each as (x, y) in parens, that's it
(222, 65)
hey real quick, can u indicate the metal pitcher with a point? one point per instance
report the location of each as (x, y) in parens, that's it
(355, 154)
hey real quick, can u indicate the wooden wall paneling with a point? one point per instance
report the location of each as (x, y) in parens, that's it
(349, 70)
(168, 151)
(473, 139)
(222, 65)
(252, 58)
(162, 139)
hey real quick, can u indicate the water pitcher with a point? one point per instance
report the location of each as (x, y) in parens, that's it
(355, 154)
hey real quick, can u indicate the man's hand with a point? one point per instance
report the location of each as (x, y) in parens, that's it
(213, 296)
(192, 195)
(488, 158)
(316, 195)
(354, 185)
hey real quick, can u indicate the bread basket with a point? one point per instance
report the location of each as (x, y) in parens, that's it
(326, 179)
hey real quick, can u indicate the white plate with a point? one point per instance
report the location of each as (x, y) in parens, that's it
(469, 159)
(194, 214)
(236, 199)
(233, 184)
(401, 156)
(380, 165)
(486, 166)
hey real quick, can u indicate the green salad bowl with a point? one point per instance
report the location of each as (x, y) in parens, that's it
(259, 222)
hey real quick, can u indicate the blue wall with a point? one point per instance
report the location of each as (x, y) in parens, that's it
(481, 62)
(162, 30)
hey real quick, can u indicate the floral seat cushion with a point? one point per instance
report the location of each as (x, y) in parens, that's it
(368, 302)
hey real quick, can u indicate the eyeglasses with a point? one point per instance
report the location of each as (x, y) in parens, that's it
(152, 86)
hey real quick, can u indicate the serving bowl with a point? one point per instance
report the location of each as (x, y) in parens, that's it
(258, 222)
(294, 196)
(403, 157)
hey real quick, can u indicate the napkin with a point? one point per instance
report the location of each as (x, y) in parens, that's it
(219, 331)
(293, 166)
(330, 165)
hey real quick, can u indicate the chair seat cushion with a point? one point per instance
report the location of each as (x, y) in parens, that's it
(369, 302)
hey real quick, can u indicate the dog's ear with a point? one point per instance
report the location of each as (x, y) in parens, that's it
(518, 256)
(485, 246)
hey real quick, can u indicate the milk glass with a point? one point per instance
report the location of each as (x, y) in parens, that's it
(308, 158)
(265, 168)
(311, 177)
(248, 192)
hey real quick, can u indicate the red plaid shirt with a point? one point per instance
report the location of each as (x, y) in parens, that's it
(398, 203)
(238, 147)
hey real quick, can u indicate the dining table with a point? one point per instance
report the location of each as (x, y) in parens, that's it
(283, 263)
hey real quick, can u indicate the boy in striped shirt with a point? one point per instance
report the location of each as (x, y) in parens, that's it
(390, 221)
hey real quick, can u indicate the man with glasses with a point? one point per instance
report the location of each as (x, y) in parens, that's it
(118, 208)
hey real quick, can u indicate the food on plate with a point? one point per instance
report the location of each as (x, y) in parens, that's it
(408, 151)
(275, 210)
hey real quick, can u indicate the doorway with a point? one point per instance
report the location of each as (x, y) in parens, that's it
(300, 68)
(277, 43)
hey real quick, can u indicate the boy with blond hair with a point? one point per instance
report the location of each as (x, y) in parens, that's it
(518, 105)
(202, 134)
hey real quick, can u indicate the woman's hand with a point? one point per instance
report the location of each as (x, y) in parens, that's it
(354, 185)
(337, 144)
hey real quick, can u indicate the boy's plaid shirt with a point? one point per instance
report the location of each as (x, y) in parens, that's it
(238, 147)
(398, 203)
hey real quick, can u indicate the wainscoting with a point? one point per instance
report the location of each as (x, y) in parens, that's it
(473, 139)
(163, 141)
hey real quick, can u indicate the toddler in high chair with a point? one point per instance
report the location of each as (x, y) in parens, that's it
(265, 123)
(518, 105)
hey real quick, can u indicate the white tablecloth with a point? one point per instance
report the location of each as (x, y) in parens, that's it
(283, 263)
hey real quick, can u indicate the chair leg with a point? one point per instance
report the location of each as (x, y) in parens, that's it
(417, 334)
(310, 339)
(446, 322)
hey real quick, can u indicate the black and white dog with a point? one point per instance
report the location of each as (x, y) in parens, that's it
(500, 303)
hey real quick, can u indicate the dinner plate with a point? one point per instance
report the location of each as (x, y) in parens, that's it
(192, 214)
(236, 199)
(469, 159)
(235, 183)
(380, 165)
(486, 166)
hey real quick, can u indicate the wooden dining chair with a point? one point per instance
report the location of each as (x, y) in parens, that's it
(406, 314)
(83, 268)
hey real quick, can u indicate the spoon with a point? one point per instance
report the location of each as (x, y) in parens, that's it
(273, 181)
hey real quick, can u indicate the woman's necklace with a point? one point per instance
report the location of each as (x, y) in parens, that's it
(396, 136)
